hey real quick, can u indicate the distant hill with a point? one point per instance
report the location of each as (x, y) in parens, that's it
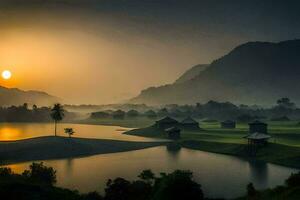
(191, 73)
(252, 73)
(14, 96)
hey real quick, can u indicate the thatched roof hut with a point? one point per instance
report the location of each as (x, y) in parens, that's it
(228, 124)
(190, 123)
(173, 133)
(258, 126)
(166, 122)
(257, 138)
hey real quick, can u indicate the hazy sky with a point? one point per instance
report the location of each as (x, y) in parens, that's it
(105, 51)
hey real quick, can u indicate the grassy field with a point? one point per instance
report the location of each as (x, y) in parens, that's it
(286, 133)
(284, 147)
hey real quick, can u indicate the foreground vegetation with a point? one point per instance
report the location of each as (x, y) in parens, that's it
(38, 183)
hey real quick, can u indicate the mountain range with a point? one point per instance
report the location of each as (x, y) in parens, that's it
(14, 96)
(252, 73)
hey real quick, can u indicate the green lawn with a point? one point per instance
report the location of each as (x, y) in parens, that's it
(284, 147)
(287, 133)
(285, 137)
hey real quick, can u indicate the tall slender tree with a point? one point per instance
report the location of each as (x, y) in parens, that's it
(57, 114)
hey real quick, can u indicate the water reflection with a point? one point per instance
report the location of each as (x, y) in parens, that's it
(69, 167)
(259, 173)
(10, 133)
(219, 175)
(17, 131)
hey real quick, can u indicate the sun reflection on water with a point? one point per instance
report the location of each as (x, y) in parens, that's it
(8, 133)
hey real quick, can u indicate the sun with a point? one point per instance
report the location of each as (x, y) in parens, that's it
(6, 74)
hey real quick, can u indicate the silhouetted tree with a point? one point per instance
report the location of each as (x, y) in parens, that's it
(177, 185)
(5, 172)
(69, 131)
(293, 180)
(91, 196)
(251, 191)
(121, 189)
(25, 106)
(40, 173)
(57, 114)
(119, 114)
(147, 175)
(132, 113)
(286, 103)
(140, 190)
(34, 107)
(117, 189)
(151, 114)
(95, 115)
(163, 112)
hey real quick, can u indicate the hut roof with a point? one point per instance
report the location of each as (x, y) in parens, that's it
(171, 129)
(257, 122)
(257, 136)
(228, 122)
(167, 120)
(189, 120)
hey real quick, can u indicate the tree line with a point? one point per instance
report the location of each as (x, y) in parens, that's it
(283, 110)
(24, 113)
(38, 183)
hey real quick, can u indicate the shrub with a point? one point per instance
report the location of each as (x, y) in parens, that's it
(177, 185)
(251, 191)
(293, 180)
(38, 172)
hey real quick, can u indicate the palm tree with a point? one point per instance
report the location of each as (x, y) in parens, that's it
(57, 114)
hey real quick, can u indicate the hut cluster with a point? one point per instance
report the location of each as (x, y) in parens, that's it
(173, 127)
(258, 131)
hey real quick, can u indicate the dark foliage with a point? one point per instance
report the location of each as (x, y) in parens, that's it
(40, 173)
(150, 114)
(177, 185)
(25, 114)
(100, 115)
(37, 184)
(119, 114)
(251, 191)
(293, 180)
(132, 113)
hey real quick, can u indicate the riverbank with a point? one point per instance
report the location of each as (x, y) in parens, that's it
(230, 143)
(272, 153)
(51, 147)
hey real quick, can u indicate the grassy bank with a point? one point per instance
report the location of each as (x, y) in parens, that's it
(50, 147)
(273, 153)
(283, 149)
(284, 132)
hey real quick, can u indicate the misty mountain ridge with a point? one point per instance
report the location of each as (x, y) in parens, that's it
(252, 73)
(15, 96)
(191, 73)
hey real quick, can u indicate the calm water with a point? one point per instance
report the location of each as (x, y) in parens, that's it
(17, 131)
(219, 175)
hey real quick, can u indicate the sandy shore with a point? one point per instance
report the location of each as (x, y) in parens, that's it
(50, 147)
